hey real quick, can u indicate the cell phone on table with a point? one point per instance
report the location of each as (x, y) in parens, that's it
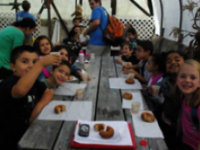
(84, 130)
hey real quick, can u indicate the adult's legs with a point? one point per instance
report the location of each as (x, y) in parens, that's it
(98, 50)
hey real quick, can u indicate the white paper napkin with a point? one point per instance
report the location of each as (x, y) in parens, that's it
(119, 83)
(145, 129)
(74, 111)
(137, 97)
(120, 137)
(69, 89)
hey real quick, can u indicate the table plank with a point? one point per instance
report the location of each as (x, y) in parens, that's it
(41, 135)
(109, 100)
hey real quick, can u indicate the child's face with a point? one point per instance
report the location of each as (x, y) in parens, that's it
(45, 46)
(130, 35)
(141, 53)
(126, 51)
(61, 74)
(77, 29)
(74, 38)
(188, 79)
(29, 31)
(151, 67)
(24, 63)
(173, 63)
(76, 22)
(64, 54)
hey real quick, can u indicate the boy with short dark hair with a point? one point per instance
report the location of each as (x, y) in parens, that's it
(143, 52)
(25, 13)
(22, 96)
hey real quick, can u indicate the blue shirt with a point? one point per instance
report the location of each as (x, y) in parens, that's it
(96, 36)
(22, 14)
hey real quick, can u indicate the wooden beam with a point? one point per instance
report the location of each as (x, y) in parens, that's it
(49, 22)
(142, 9)
(113, 6)
(61, 20)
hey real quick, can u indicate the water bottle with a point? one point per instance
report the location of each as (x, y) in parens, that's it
(81, 57)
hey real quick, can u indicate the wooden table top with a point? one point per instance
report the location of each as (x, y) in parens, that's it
(107, 105)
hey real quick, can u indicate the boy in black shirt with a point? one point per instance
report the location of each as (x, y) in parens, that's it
(22, 97)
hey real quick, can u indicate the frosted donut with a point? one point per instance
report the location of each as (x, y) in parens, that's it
(148, 117)
(99, 127)
(59, 108)
(130, 81)
(108, 133)
(127, 95)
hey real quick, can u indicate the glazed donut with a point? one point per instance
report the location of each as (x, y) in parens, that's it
(148, 117)
(59, 108)
(127, 95)
(130, 81)
(99, 127)
(108, 133)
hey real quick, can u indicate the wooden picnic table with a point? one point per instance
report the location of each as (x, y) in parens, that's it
(107, 105)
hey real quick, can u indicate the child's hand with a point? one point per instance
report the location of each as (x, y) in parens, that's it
(128, 65)
(126, 70)
(119, 60)
(52, 59)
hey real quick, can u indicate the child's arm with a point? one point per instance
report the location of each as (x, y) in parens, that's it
(46, 98)
(26, 81)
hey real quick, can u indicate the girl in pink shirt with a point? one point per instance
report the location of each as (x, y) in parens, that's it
(188, 84)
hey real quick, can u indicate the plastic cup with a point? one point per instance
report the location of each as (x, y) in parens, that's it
(79, 93)
(130, 75)
(86, 66)
(135, 107)
(92, 55)
(85, 76)
(155, 90)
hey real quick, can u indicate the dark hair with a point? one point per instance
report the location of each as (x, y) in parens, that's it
(26, 5)
(17, 51)
(25, 23)
(128, 44)
(178, 52)
(132, 31)
(72, 33)
(76, 19)
(36, 43)
(59, 47)
(97, 1)
(146, 45)
(157, 59)
(63, 62)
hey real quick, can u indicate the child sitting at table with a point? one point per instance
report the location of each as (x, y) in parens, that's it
(73, 44)
(44, 46)
(59, 75)
(169, 109)
(22, 96)
(156, 66)
(143, 52)
(127, 55)
(65, 55)
(131, 37)
(187, 85)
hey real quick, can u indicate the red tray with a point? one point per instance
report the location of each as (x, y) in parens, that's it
(99, 146)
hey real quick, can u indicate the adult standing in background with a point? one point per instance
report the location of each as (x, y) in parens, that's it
(25, 13)
(98, 22)
(11, 37)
